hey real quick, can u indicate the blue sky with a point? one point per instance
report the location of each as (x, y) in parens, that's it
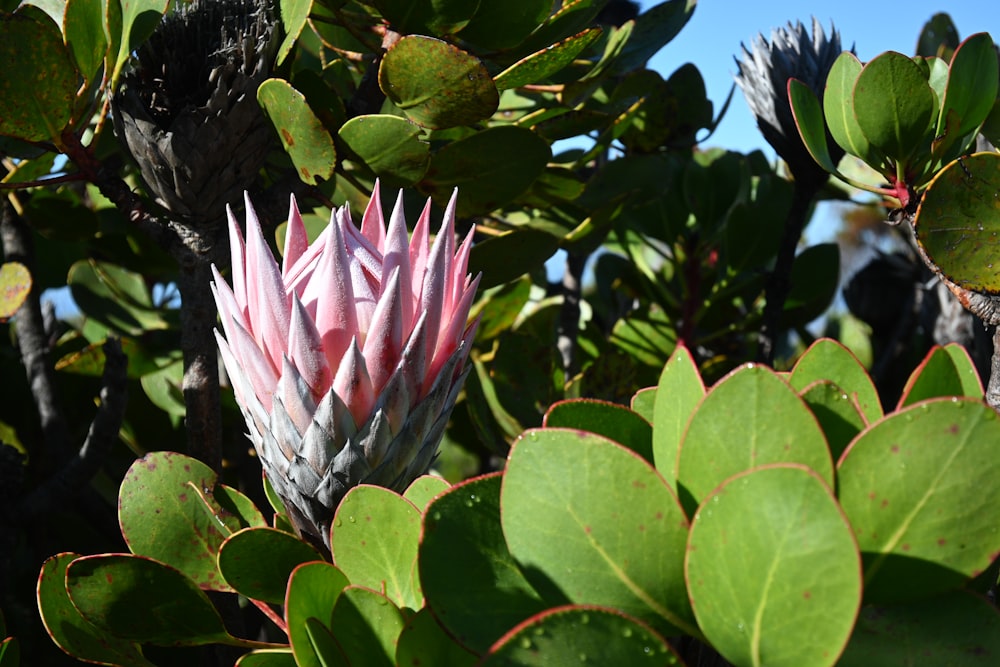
(713, 35)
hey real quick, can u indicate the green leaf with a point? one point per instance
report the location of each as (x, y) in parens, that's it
(972, 84)
(679, 391)
(499, 308)
(955, 628)
(374, 543)
(827, 359)
(424, 642)
(427, 17)
(838, 107)
(366, 625)
(324, 645)
(294, 14)
(543, 64)
(302, 134)
(139, 599)
(620, 530)
(815, 278)
(15, 285)
(945, 371)
(490, 168)
(579, 634)
(495, 27)
(836, 412)
(808, 116)
(437, 84)
(115, 297)
(733, 430)
(267, 658)
(163, 388)
(643, 403)
(773, 569)
(139, 19)
(313, 590)
(70, 630)
(921, 489)
(38, 82)
(894, 105)
(389, 146)
(653, 30)
(471, 582)
(258, 561)
(648, 337)
(424, 489)
(507, 257)
(615, 422)
(83, 25)
(958, 223)
(167, 512)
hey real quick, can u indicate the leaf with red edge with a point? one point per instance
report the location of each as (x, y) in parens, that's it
(575, 634)
(168, 511)
(313, 590)
(70, 631)
(471, 582)
(613, 421)
(945, 371)
(139, 599)
(922, 491)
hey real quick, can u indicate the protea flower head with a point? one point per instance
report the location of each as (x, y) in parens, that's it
(763, 77)
(347, 359)
(188, 111)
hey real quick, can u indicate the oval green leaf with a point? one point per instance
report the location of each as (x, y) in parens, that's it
(956, 628)
(894, 105)
(945, 371)
(72, 632)
(38, 81)
(303, 135)
(424, 642)
(677, 395)
(437, 84)
(504, 258)
(495, 27)
(613, 421)
(735, 428)
(922, 490)
(365, 625)
(388, 145)
(257, 562)
(972, 83)
(471, 582)
(581, 634)
(838, 108)
(139, 599)
(827, 359)
(267, 658)
(808, 116)
(773, 570)
(167, 511)
(958, 222)
(542, 64)
(313, 590)
(621, 530)
(424, 489)
(836, 412)
(490, 168)
(15, 285)
(374, 542)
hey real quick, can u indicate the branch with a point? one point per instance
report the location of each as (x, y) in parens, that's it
(779, 283)
(568, 327)
(59, 489)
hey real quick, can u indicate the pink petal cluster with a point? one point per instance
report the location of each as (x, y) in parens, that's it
(361, 323)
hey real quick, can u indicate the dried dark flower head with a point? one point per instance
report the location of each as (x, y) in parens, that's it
(188, 111)
(763, 77)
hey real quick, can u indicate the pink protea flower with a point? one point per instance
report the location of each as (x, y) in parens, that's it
(347, 359)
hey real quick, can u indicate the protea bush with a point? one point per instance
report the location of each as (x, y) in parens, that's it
(347, 359)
